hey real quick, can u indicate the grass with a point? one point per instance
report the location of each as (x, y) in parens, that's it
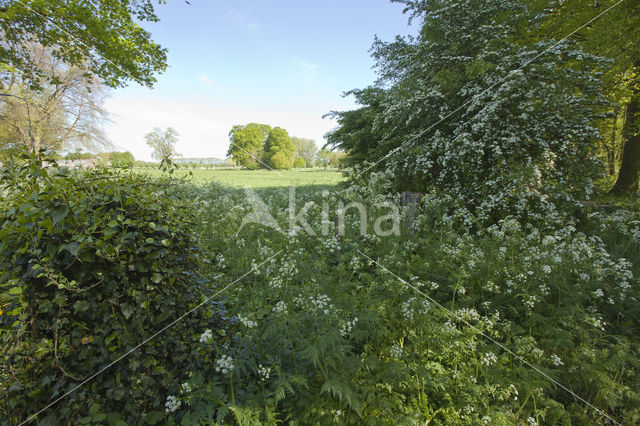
(258, 178)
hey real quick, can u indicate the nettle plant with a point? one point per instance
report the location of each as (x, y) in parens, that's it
(91, 264)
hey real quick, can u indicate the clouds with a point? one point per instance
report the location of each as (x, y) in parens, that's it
(203, 125)
(205, 80)
(242, 18)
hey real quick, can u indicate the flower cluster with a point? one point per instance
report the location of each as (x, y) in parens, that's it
(264, 372)
(281, 308)
(172, 404)
(348, 326)
(395, 352)
(488, 359)
(206, 336)
(247, 322)
(225, 364)
(412, 306)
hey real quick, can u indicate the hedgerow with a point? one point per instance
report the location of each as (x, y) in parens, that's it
(91, 265)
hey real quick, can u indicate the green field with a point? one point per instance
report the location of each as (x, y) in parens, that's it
(257, 178)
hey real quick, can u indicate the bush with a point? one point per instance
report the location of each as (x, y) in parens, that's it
(299, 163)
(92, 264)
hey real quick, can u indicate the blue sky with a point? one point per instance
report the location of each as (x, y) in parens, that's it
(284, 63)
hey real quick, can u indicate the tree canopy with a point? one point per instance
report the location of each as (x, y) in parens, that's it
(163, 143)
(101, 35)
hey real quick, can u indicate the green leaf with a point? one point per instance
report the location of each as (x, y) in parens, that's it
(59, 213)
(15, 290)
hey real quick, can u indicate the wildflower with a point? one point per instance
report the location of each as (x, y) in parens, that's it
(488, 359)
(555, 360)
(264, 372)
(186, 387)
(172, 404)
(348, 326)
(532, 421)
(395, 352)
(247, 322)
(206, 336)
(598, 293)
(280, 308)
(224, 364)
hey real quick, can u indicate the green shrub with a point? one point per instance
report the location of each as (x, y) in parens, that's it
(92, 264)
(299, 163)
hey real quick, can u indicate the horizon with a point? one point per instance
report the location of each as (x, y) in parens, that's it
(251, 62)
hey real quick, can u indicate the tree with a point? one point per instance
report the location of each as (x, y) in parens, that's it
(468, 109)
(305, 149)
(121, 160)
(163, 143)
(247, 143)
(279, 149)
(324, 158)
(299, 163)
(614, 35)
(336, 158)
(102, 36)
(65, 112)
(359, 131)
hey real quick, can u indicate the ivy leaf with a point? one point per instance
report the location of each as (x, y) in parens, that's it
(59, 213)
(127, 310)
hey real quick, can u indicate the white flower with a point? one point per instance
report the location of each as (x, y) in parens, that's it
(264, 372)
(532, 421)
(224, 364)
(555, 360)
(280, 308)
(186, 387)
(247, 322)
(206, 336)
(598, 293)
(348, 326)
(488, 359)
(172, 404)
(395, 352)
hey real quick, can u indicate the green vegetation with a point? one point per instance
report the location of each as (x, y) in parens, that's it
(92, 264)
(506, 293)
(255, 178)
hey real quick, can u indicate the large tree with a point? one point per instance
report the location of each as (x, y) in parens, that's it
(468, 108)
(279, 149)
(163, 143)
(305, 149)
(246, 143)
(104, 36)
(613, 31)
(65, 113)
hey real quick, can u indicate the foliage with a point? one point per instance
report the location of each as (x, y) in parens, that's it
(299, 163)
(614, 35)
(468, 110)
(121, 160)
(65, 112)
(92, 264)
(324, 335)
(247, 142)
(324, 158)
(306, 150)
(163, 143)
(279, 150)
(103, 35)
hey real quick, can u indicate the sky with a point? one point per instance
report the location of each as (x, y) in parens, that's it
(279, 62)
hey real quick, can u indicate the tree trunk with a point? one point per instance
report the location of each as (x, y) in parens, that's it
(627, 183)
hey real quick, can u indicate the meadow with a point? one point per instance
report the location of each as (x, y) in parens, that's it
(256, 178)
